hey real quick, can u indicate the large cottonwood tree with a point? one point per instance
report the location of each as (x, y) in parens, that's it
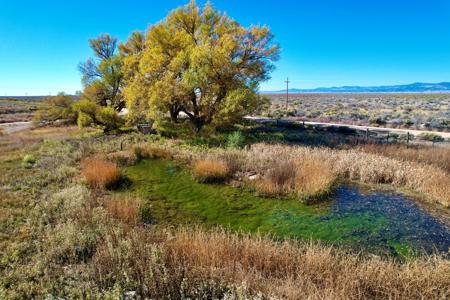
(131, 54)
(200, 62)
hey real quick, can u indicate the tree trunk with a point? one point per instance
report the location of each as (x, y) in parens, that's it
(197, 122)
(121, 105)
(174, 112)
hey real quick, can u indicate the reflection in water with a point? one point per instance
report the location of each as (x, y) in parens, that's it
(406, 222)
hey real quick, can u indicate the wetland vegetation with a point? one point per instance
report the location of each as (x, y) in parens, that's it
(90, 215)
(161, 232)
(150, 183)
(351, 216)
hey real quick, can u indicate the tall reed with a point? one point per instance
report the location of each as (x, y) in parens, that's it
(207, 264)
(428, 180)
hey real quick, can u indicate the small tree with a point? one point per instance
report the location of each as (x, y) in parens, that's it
(86, 111)
(57, 108)
(89, 112)
(200, 62)
(108, 117)
(102, 75)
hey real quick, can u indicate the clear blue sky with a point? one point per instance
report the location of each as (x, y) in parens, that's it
(324, 42)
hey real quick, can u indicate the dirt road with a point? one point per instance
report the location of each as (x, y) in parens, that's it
(445, 135)
(8, 128)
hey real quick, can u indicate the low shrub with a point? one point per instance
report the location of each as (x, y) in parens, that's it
(431, 137)
(68, 243)
(145, 213)
(62, 205)
(235, 140)
(84, 120)
(210, 170)
(28, 161)
(99, 172)
(58, 107)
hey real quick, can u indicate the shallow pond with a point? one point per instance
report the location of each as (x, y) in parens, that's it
(376, 221)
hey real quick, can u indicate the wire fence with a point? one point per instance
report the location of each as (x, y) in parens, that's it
(363, 134)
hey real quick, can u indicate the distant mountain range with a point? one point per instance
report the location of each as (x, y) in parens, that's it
(418, 87)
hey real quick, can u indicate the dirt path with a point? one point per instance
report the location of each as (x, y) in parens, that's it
(445, 135)
(8, 128)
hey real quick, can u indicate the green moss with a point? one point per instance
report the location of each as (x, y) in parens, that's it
(403, 250)
(173, 197)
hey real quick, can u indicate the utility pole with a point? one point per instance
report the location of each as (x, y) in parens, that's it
(287, 93)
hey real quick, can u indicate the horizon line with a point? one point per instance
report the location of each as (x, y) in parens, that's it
(292, 89)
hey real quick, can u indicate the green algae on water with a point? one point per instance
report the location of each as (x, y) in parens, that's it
(172, 196)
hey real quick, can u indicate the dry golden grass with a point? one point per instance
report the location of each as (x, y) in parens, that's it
(123, 158)
(185, 261)
(268, 188)
(145, 151)
(278, 180)
(18, 140)
(210, 170)
(308, 179)
(314, 178)
(299, 270)
(99, 172)
(232, 158)
(437, 156)
(124, 209)
(428, 180)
